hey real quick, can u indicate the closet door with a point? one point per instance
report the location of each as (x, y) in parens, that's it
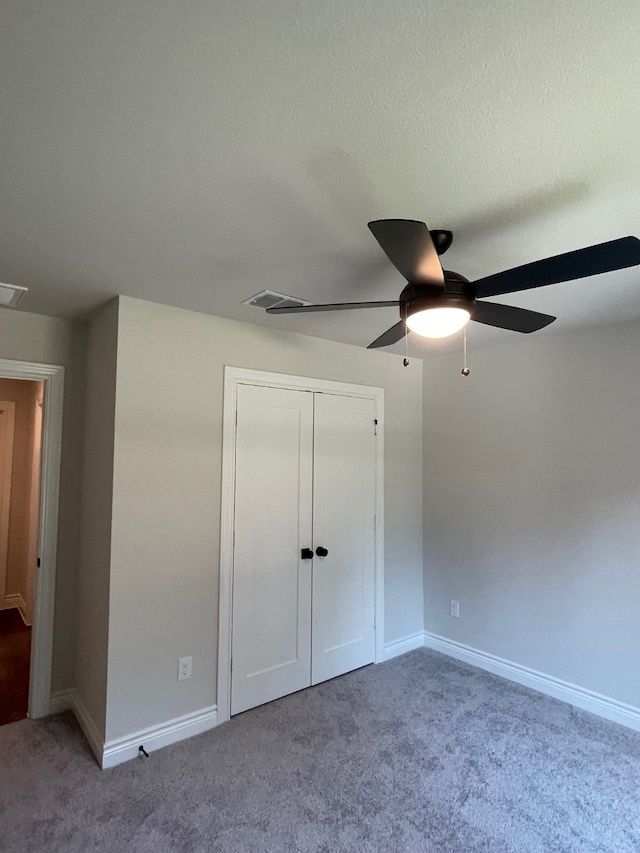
(271, 632)
(343, 624)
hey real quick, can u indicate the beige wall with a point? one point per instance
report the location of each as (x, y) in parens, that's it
(25, 395)
(95, 536)
(49, 340)
(532, 501)
(166, 498)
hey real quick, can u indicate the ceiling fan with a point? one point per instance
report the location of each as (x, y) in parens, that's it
(438, 302)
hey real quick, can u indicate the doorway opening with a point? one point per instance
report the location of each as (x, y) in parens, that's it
(42, 578)
(21, 404)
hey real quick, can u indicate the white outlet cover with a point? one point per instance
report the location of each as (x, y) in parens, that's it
(184, 668)
(454, 607)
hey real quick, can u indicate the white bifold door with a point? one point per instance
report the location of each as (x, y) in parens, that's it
(305, 484)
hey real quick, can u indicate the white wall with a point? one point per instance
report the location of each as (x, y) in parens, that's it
(96, 515)
(166, 496)
(50, 340)
(532, 504)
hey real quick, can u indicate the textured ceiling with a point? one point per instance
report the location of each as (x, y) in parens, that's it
(194, 153)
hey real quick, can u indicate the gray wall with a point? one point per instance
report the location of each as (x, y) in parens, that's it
(532, 504)
(166, 496)
(49, 340)
(95, 531)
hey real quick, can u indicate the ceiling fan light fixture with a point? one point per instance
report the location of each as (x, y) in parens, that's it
(438, 322)
(437, 303)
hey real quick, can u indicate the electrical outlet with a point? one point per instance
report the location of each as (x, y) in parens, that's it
(454, 607)
(184, 668)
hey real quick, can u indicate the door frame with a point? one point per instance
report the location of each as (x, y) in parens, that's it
(233, 377)
(52, 375)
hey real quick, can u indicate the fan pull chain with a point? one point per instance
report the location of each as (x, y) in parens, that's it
(465, 370)
(405, 360)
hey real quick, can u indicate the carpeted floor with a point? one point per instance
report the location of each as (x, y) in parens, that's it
(418, 754)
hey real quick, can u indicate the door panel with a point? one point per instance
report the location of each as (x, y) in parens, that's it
(343, 626)
(271, 632)
(7, 423)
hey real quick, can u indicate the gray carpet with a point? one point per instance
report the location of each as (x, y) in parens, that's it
(418, 754)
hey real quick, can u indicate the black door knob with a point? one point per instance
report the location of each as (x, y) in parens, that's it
(306, 554)
(321, 552)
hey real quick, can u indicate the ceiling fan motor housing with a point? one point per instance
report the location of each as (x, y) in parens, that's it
(459, 292)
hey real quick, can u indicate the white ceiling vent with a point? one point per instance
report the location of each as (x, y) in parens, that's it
(11, 294)
(269, 299)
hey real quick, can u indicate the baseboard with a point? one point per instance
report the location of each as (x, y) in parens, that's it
(62, 700)
(403, 645)
(580, 697)
(123, 749)
(88, 726)
(16, 600)
(68, 700)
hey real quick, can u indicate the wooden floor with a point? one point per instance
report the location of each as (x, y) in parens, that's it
(15, 654)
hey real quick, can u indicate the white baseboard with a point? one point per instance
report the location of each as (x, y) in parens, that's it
(580, 697)
(88, 726)
(62, 700)
(124, 748)
(68, 700)
(16, 600)
(403, 645)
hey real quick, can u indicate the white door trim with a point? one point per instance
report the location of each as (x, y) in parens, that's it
(234, 376)
(44, 601)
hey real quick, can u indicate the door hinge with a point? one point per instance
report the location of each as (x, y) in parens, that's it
(375, 427)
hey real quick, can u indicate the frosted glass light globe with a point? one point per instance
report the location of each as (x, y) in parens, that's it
(438, 322)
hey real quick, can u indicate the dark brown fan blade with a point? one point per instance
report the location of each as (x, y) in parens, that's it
(605, 257)
(391, 336)
(409, 247)
(510, 317)
(334, 306)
